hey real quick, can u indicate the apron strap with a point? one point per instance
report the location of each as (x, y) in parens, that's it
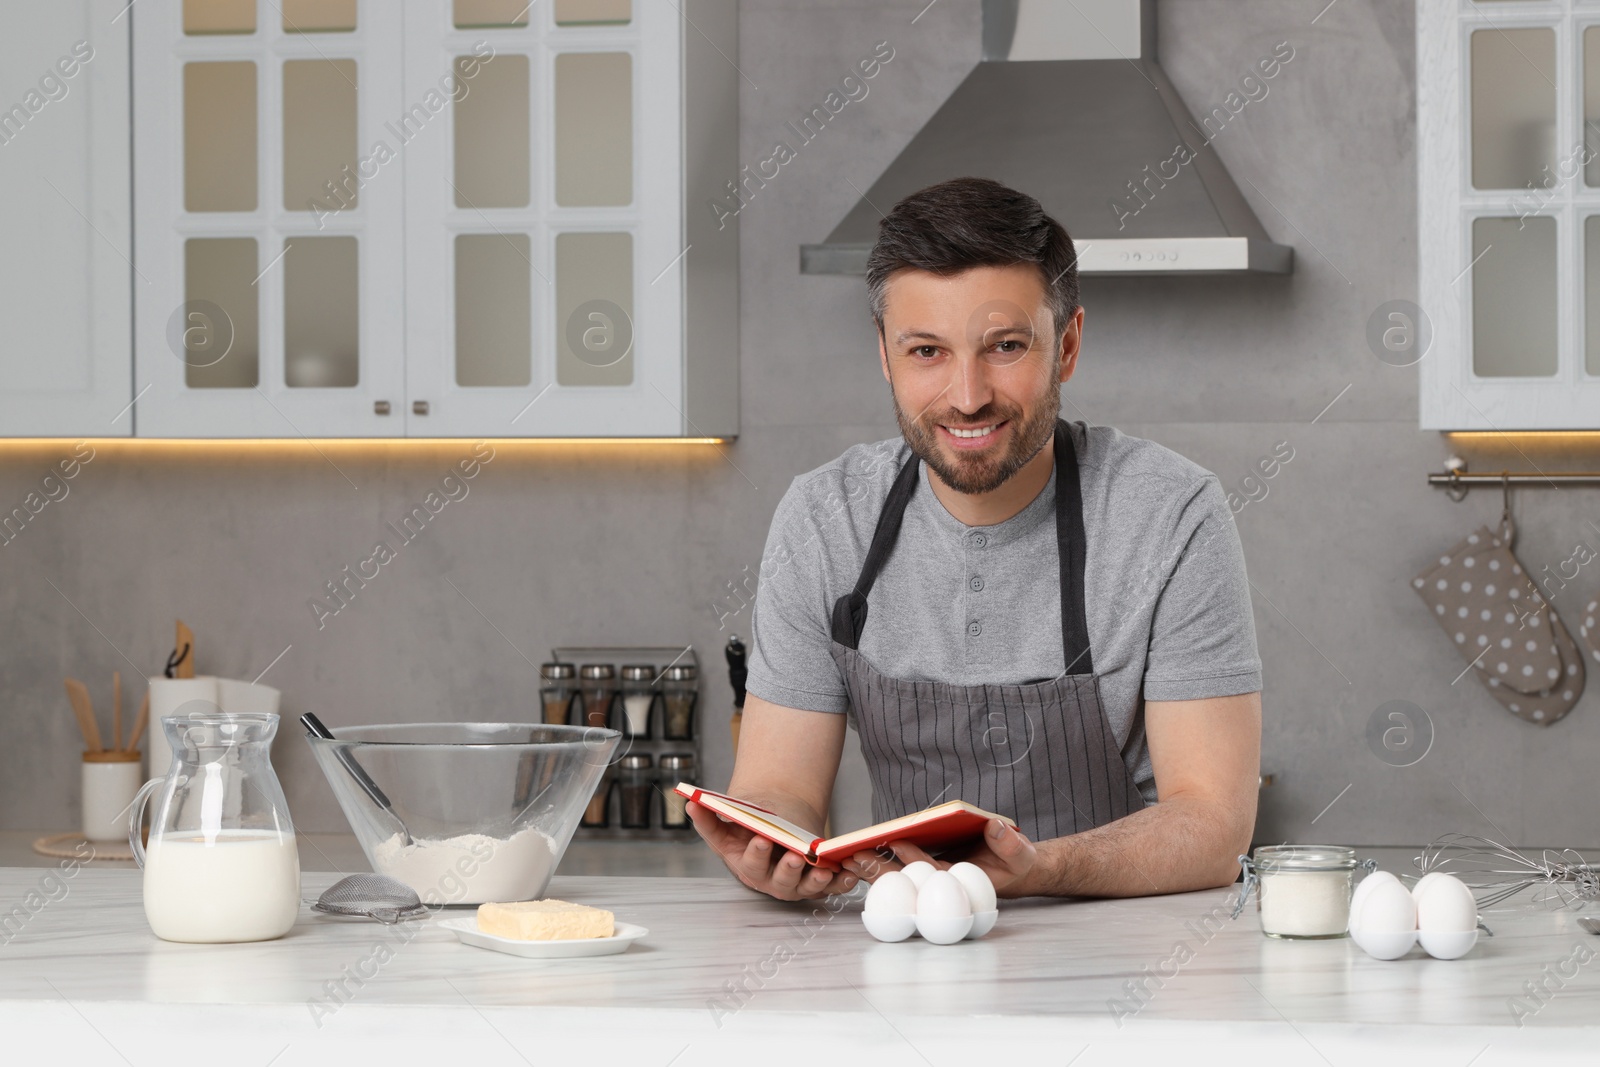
(850, 610)
(1072, 555)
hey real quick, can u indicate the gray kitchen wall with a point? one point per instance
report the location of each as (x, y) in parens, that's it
(584, 544)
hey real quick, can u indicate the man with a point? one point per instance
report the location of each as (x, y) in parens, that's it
(1048, 619)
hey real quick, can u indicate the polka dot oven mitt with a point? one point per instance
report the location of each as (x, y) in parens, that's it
(1501, 625)
(1589, 631)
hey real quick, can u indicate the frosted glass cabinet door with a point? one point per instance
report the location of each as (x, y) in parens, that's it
(1508, 247)
(271, 295)
(65, 236)
(544, 220)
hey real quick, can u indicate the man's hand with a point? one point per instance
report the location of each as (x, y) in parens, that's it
(763, 866)
(786, 762)
(1004, 854)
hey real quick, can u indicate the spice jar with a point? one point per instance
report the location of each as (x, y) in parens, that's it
(598, 812)
(1302, 891)
(680, 687)
(558, 684)
(637, 783)
(638, 696)
(675, 767)
(597, 683)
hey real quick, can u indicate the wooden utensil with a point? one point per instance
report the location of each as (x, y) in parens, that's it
(140, 721)
(78, 695)
(116, 710)
(185, 649)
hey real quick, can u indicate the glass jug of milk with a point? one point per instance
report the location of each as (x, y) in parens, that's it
(222, 863)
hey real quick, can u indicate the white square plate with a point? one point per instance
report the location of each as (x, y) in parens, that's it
(467, 932)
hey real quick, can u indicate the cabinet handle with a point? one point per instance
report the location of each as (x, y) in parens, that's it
(419, 407)
(380, 407)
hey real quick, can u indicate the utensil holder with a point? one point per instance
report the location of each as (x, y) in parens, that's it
(110, 780)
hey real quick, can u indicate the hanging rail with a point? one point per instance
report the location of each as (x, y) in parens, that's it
(1463, 480)
(1456, 479)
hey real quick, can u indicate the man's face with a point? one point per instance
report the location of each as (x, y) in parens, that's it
(974, 369)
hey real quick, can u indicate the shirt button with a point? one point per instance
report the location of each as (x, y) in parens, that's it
(979, 540)
(976, 584)
(974, 629)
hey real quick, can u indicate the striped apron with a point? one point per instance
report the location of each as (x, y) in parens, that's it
(1042, 752)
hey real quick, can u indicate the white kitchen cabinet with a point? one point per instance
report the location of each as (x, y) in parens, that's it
(65, 237)
(1508, 159)
(443, 218)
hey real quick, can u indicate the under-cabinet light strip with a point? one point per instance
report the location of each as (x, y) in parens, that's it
(1486, 435)
(271, 442)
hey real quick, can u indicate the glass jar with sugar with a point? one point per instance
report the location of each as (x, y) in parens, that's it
(638, 698)
(1302, 891)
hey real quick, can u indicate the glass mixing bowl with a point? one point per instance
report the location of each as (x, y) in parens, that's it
(465, 813)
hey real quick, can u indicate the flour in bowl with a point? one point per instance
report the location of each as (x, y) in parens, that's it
(471, 868)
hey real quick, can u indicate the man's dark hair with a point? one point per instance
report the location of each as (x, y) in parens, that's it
(974, 222)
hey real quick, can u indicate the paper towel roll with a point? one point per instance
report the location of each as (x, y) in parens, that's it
(246, 698)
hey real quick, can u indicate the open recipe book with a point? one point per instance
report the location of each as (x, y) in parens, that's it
(950, 823)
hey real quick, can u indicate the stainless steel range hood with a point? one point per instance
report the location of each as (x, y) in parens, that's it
(1070, 106)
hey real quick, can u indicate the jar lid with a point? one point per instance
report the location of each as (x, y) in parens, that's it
(638, 672)
(676, 760)
(1272, 858)
(682, 672)
(597, 670)
(556, 671)
(634, 763)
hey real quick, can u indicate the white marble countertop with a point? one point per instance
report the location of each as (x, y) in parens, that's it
(727, 976)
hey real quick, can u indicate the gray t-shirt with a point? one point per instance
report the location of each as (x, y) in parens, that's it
(1166, 599)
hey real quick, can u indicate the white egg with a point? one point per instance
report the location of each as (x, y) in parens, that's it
(980, 890)
(942, 896)
(918, 871)
(893, 893)
(1388, 907)
(944, 914)
(1431, 876)
(1445, 905)
(890, 911)
(1363, 889)
(1384, 946)
(889, 926)
(1447, 944)
(1386, 924)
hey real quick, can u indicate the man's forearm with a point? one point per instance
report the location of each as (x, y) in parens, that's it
(1175, 846)
(787, 760)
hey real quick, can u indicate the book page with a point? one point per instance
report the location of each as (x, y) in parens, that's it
(759, 819)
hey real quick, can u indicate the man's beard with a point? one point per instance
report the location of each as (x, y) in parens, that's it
(978, 473)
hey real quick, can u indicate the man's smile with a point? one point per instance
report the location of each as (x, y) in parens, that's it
(969, 438)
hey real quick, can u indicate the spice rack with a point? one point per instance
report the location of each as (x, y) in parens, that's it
(622, 785)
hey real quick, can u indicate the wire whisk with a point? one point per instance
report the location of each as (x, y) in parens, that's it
(1496, 872)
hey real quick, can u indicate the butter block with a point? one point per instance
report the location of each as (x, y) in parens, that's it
(544, 920)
